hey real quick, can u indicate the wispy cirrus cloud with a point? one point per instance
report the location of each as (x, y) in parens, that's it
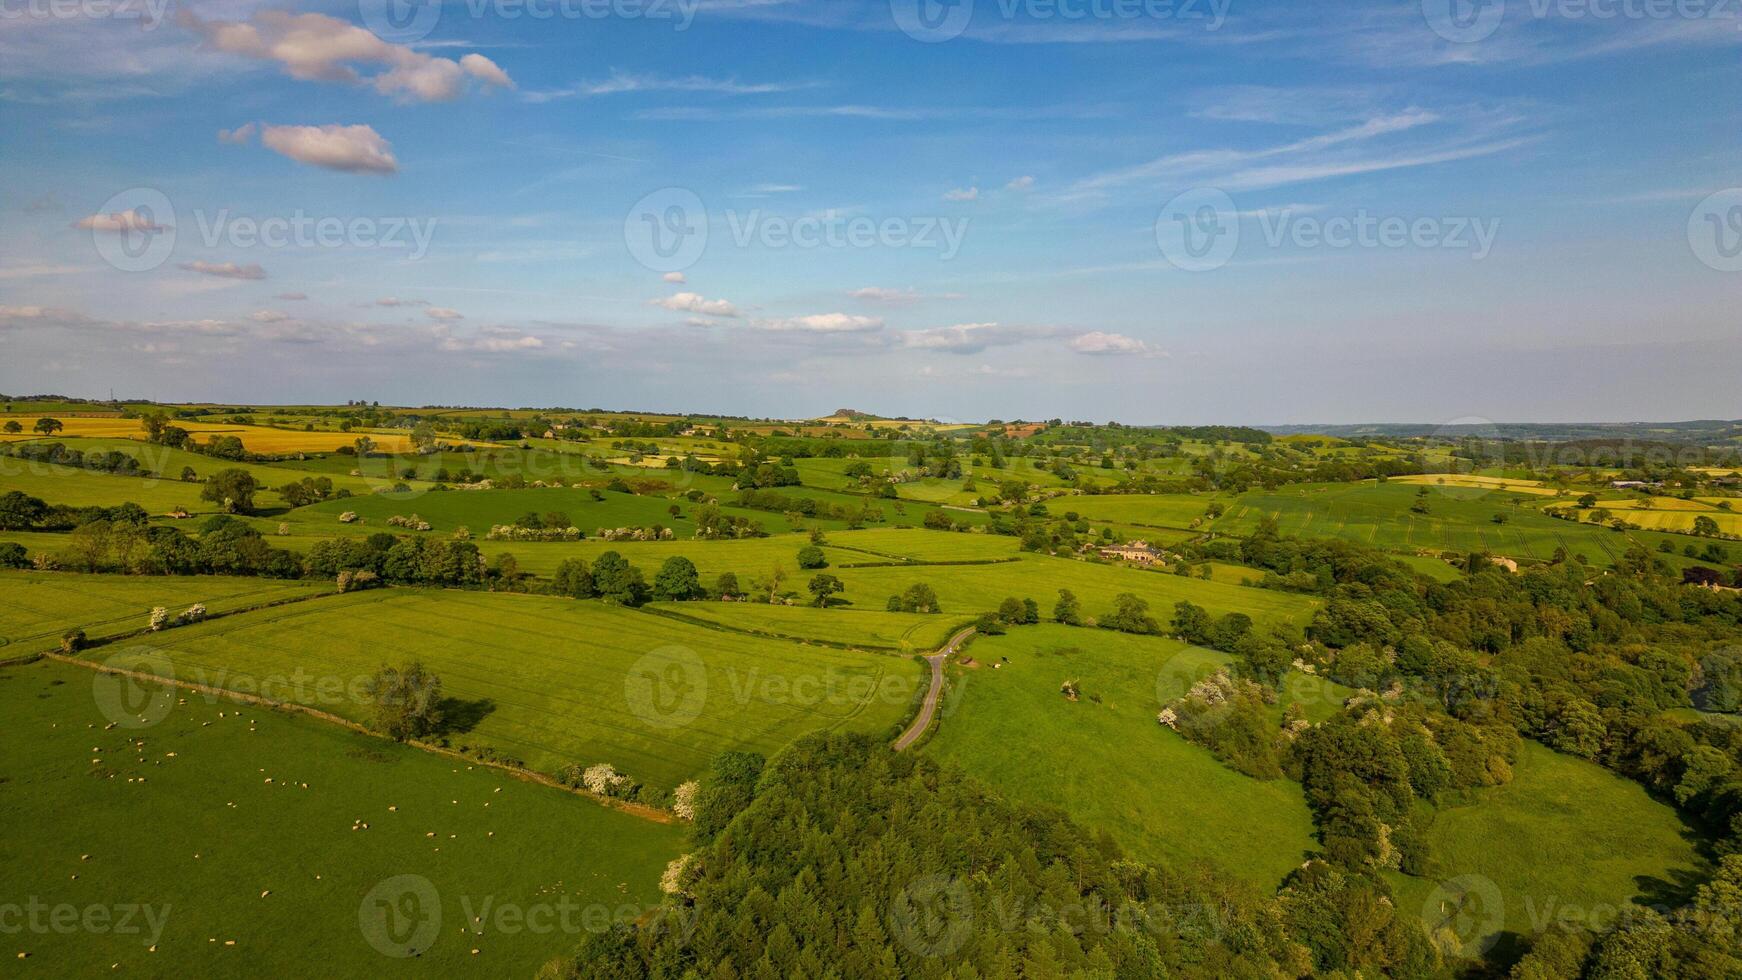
(623, 83)
(225, 270)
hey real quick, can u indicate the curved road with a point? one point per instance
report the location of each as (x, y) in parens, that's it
(930, 705)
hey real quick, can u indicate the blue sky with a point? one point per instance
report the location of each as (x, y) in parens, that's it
(1152, 212)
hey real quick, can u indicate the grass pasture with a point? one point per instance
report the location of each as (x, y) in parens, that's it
(1173, 510)
(980, 588)
(241, 826)
(554, 681)
(1458, 521)
(1107, 762)
(87, 488)
(37, 607)
(911, 632)
(1565, 836)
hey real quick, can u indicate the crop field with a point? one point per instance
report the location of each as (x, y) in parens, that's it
(256, 439)
(168, 463)
(1471, 481)
(555, 681)
(37, 607)
(1666, 515)
(1610, 842)
(908, 632)
(980, 588)
(240, 842)
(1105, 760)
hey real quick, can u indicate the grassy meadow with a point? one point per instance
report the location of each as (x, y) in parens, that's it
(37, 607)
(1104, 759)
(258, 839)
(1565, 837)
(555, 682)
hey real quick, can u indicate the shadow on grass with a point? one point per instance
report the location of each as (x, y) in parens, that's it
(460, 716)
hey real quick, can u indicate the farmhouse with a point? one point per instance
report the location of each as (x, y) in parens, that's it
(1135, 551)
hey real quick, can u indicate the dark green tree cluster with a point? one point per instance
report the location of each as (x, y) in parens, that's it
(846, 860)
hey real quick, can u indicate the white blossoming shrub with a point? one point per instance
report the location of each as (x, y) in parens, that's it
(683, 800)
(603, 779)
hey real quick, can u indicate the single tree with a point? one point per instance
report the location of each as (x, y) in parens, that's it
(822, 586)
(232, 489)
(1067, 610)
(407, 701)
(677, 580)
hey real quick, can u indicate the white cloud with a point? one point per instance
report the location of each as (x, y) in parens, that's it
(1101, 343)
(963, 194)
(396, 301)
(291, 297)
(492, 340)
(120, 221)
(443, 313)
(241, 134)
(1020, 184)
(315, 47)
(225, 270)
(695, 303)
(268, 316)
(966, 338)
(823, 323)
(676, 278)
(485, 70)
(351, 149)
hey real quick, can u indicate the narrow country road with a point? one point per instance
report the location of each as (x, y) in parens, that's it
(930, 706)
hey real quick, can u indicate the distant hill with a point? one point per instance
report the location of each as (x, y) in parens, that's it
(1702, 432)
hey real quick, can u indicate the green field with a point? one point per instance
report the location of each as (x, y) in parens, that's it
(1108, 763)
(1458, 520)
(88, 488)
(909, 632)
(236, 826)
(555, 682)
(37, 607)
(980, 588)
(1564, 837)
